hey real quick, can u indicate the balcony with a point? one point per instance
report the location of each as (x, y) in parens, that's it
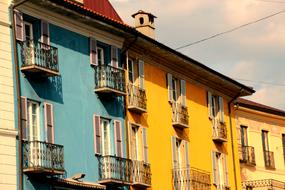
(114, 170)
(109, 80)
(247, 155)
(42, 157)
(191, 178)
(269, 159)
(137, 99)
(179, 115)
(39, 59)
(219, 131)
(141, 175)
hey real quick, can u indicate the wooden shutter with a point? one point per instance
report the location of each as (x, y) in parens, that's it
(214, 167)
(210, 105)
(221, 106)
(93, 51)
(45, 32)
(226, 173)
(145, 145)
(141, 73)
(97, 134)
(174, 150)
(49, 122)
(187, 163)
(183, 92)
(114, 56)
(118, 138)
(24, 118)
(170, 87)
(19, 25)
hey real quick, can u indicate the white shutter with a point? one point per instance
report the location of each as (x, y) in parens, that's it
(141, 73)
(170, 87)
(174, 150)
(183, 92)
(19, 25)
(226, 173)
(93, 51)
(214, 167)
(221, 106)
(187, 162)
(210, 105)
(145, 145)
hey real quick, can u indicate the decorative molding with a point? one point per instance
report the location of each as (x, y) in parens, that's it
(9, 132)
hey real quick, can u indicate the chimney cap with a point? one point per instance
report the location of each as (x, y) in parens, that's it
(143, 12)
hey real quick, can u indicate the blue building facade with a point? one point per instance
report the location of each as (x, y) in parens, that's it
(72, 89)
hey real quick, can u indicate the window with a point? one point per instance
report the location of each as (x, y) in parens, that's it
(265, 143)
(216, 107)
(141, 20)
(220, 170)
(243, 134)
(180, 153)
(105, 126)
(131, 70)
(176, 90)
(283, 143)
(33, 120)
(100, 56)
(136, 72)
(138, 143)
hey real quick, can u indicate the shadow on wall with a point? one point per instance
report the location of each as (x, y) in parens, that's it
(48, 88)
(114, 107)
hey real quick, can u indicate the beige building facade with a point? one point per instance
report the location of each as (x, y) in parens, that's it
(261, 139)
(8, 174)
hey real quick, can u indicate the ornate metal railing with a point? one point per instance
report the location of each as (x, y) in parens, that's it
(191, 178)
(137, 97)
(179, 114)
(269, 159)
(112, 168)
(39, 54)
(110, 77)
(141, 173)
(263, 184)
(219, 130)
(39, 155)
(246, 154)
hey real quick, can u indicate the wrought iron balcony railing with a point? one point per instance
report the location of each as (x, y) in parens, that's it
(247, 155)
(42, 157)
(269, 159)
(191, 178)
(268, 184)
(141, 174)
(115, 170)
(180, 116)
(219, 131)
(39, 58)
(137, 99)
(110, 79)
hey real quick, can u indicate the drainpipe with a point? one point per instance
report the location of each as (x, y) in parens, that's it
(18, 91)
(232, 138)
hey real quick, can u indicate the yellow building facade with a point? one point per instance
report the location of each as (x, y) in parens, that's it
(261, 139)
(179, 120)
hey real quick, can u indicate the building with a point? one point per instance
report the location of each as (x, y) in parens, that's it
(8, 133)
(104, 106)
(261, 139)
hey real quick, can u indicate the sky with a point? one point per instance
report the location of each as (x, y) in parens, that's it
(253, 55)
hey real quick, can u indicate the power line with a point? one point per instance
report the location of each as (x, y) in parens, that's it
(271, 1)
(231, 30)
(261, 82)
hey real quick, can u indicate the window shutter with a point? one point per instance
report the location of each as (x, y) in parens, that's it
(45, 32)
(215, 167)
(145, 145)
(174, 158)
(114, 56)
(93, 51)
(19, 25)
(225, 162)
(186, 152)
(49, 123)
(118, 138)
(210, 105)
(221, 106)
(183, 92)
(170, 87)
(24, 118)
(141, 73)
(97, 134)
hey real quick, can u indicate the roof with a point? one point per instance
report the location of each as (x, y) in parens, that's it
(103, 7)
(259, 107)
(183, 63)
(143, 12)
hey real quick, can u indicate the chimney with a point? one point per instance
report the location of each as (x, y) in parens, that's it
(144, 23)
